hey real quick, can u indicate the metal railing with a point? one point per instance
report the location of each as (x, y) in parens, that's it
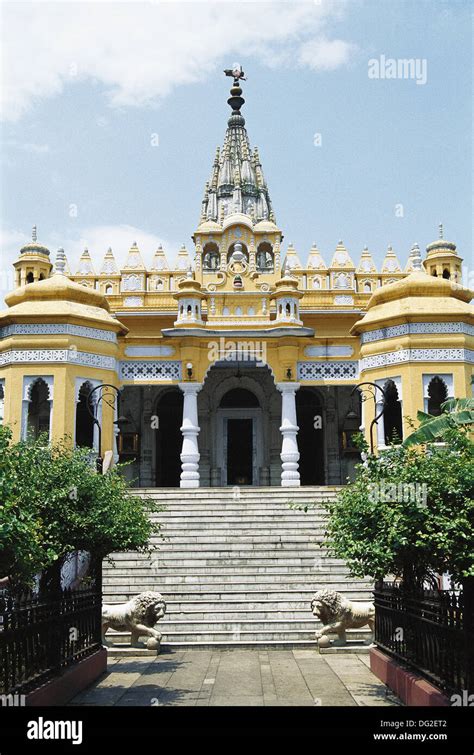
(430, 631)
(40, 636)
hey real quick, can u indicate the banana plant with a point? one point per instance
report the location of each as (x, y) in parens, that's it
(454, 411)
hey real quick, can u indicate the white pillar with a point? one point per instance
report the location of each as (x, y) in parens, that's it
(190, 430)
(290, 477)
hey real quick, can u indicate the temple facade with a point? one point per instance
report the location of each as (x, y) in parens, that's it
(238, 363)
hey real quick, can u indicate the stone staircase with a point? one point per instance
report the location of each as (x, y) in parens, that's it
(235, 570)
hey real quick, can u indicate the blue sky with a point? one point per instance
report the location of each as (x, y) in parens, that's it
(85, 87)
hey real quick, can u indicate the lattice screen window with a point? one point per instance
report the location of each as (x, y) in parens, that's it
(327, 370)
(150, 370)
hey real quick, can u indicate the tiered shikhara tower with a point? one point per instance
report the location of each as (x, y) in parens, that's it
(322, 325)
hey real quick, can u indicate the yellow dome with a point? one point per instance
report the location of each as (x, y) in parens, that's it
(58, 297)
(418, 297)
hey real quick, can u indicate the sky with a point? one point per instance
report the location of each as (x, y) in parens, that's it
(111, 113)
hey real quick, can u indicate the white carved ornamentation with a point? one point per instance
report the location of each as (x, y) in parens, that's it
(417, 355)
(72, 356)
(133, 301)
(150, 370)
(424, 328)
(40, 329)
(343, 300)
(132, 283)
(347, 370)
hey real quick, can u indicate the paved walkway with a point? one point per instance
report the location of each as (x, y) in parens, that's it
(238, 677)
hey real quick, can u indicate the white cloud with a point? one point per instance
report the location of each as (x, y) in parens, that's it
(322, 54)
(120, 237)
(31, 147)
(140, 51)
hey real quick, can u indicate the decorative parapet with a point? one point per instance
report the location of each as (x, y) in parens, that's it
(69, 356)
(57, 329)
(417, 328)
(417, 355)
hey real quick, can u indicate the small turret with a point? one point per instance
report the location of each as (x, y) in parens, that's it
(442, 260)
(189, 297)
(34, 263)
(286, 298)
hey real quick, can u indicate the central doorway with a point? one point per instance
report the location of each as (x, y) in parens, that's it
(239, 428)
(239, 451)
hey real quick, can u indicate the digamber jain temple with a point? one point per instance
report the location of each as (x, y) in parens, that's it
(237, 363)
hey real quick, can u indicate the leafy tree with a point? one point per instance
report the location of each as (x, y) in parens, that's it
(22, 548)
(409, 512)
(454, 412)
(53, 502)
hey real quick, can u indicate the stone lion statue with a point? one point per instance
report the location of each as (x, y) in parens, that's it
(339, 614)
(139, 616)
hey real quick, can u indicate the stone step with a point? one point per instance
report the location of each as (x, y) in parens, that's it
(297, 507)
(121, 595)
(235, 570)
(234, 637)
(269, 554)
(219, 590)
(239, 560)
(168, 572)
(162, 570)
(277, 519)
(239, 614)
(239, 523)
(243, 529)
(184, 580)
(264, 544)
(245, 624)
(225, 604)
(224, 589)
(273, 540)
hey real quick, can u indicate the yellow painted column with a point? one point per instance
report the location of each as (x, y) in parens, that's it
(412, 391)
(64, 405)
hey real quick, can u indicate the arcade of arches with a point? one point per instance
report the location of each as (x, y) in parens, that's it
(238, 434)
(239, 415)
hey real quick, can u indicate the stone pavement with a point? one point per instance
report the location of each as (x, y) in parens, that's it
(242, 676)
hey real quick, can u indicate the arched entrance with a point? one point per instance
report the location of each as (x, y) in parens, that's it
(392, 415)
(84, 421)
(169, 410)
(437, 395)
(39, 410)
(239, 415)
(239, 412)
(309, 415)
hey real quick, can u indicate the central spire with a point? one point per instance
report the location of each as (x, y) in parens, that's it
(236, 100)
(237, 184)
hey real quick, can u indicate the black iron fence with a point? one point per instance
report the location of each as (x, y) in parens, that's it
(430, 631)
(42, 635)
